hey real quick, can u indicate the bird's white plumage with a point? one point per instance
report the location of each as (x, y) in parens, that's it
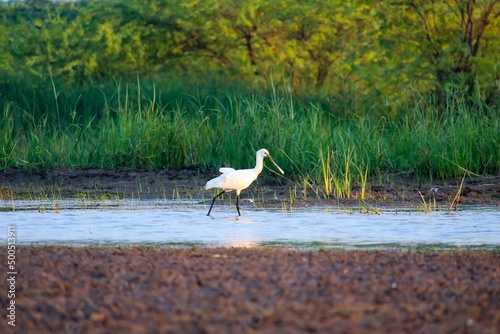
(237, 180)
(233, 180)
(226, 169)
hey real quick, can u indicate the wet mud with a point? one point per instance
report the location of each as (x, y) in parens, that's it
(268, 190)
(262, 290)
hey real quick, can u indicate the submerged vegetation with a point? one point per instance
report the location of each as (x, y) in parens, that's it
(353, 91)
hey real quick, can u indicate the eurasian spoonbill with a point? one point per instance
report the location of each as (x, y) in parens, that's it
(237, 180)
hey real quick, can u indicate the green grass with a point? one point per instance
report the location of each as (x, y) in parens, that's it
(141, 125)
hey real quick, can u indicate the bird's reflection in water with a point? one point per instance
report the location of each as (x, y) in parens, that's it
(243, 234)
(236, 219)
(242, 244)
(246, 220)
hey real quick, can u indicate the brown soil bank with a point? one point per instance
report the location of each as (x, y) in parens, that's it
(269, 189)
(263, 290)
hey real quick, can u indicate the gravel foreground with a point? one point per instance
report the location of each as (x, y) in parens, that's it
(261, 290)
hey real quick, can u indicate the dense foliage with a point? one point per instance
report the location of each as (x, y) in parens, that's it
(336, 90)
(365, 53)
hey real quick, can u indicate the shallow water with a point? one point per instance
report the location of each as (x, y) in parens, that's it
(184, 223)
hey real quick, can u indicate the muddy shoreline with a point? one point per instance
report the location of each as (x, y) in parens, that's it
(268, 190)
(75, 290)
(264, 290)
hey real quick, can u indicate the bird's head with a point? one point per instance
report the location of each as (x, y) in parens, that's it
(263, 153)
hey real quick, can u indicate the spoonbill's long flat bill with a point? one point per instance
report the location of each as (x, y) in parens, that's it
(237, 180)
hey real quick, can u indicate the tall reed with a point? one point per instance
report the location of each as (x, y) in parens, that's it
(140, 125)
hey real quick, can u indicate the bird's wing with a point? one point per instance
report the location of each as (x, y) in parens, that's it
(237, 180)
(219, 181)
(226, 170)
(231, 179)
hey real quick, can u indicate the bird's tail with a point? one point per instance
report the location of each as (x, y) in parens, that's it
(211, 184)
(214, 183)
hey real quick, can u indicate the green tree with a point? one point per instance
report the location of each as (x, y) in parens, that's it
(452, 39)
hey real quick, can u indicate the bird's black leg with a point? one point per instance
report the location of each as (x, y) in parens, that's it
(219, 194)
(238, 204)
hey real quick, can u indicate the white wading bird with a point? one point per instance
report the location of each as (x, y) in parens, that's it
(237, 180)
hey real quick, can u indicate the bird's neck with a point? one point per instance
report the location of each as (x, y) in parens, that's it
(259, 165)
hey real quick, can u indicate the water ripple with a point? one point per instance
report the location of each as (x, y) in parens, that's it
(185, 224)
